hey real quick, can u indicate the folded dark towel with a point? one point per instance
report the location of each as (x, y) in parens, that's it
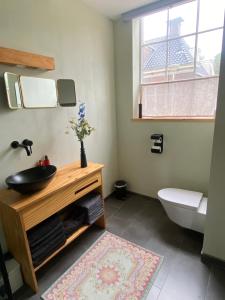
(45, 238)
(98, 205)
(92, 219)
(43, 252)
(70, 226)
(38, 260)
(43, 228)
(73, 223)
(90, 201)
(93, 206)
(94, 211)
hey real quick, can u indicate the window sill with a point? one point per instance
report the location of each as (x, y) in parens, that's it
(191, 119)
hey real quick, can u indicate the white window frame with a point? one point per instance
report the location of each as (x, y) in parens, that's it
(194, 34)
(167, 39)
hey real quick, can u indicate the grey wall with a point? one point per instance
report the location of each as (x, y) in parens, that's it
(81, 41)
(214, 242)
(185, 162)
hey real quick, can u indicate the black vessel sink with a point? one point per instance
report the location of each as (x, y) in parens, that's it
(31, 180)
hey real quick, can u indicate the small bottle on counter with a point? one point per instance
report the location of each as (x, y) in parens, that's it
(46, 161)
(40, 163)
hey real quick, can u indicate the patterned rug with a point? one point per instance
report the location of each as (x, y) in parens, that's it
(112, 269)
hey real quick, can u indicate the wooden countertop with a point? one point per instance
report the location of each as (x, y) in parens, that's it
(65, 176)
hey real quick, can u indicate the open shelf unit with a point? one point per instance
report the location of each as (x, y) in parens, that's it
(20, 213)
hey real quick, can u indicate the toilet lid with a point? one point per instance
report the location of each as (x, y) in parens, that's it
(183, 198)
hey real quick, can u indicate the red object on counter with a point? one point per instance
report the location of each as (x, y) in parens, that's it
(46, 161)
(40, 163)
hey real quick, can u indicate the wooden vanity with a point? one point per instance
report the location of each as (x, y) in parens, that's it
(19, 213)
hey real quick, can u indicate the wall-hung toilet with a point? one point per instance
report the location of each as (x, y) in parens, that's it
(185, 208)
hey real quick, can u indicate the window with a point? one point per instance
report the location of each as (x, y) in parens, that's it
(180, 50)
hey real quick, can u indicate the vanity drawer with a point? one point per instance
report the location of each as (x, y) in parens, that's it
(45, 208)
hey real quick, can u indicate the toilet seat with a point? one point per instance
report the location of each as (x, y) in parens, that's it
(202, 210)
(182, 198)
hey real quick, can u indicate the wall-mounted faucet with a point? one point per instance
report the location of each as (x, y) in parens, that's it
(26, 144)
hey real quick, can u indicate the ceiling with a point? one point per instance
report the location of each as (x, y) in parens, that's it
(114, 8)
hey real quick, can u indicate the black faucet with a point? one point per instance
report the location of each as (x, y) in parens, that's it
(26, 144)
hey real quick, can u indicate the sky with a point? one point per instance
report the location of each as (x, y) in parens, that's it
(211, 16)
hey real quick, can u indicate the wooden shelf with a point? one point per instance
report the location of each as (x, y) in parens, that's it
(26, 59)
(68, 241)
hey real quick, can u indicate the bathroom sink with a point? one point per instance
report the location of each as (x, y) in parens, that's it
(31, 180)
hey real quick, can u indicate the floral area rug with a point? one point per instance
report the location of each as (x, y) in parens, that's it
(112, 269)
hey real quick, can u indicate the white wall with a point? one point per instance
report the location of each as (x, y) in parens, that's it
(185, 162)
(214, 242)
(81, 41)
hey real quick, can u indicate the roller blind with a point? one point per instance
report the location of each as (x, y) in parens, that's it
(146, 9)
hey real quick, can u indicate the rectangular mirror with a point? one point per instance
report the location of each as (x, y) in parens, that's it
(38, 92)
(66, 92)
(13, 90)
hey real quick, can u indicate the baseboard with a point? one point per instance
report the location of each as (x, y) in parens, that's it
(139, 194)
(107, 197)
(208, 259)
(130, 193)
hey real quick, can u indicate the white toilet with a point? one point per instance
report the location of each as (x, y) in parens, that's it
(186, 208)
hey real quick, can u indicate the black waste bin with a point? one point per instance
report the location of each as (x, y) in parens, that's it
(120, 187)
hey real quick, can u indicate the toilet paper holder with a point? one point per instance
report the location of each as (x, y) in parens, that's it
(157, 143)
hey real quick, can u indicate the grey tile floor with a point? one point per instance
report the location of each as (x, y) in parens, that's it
(142, 220)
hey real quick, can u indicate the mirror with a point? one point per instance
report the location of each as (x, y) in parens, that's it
(38, 92)
(66, 92)
(13, 90)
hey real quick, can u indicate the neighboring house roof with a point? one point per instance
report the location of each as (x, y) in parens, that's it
(179, 53)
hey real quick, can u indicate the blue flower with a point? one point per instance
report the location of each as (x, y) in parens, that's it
(81, 127)
(81, 112)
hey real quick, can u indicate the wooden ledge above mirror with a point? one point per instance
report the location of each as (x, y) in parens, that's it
(26, 59)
